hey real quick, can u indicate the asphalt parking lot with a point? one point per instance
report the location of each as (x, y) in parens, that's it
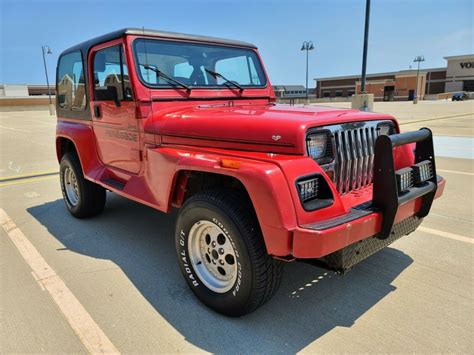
(414, 296)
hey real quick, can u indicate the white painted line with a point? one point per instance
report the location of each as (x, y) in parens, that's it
(455, 172)
(15, 129)
(443, 234)
(93, 338)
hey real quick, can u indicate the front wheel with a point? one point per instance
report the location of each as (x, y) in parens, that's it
(222, 254)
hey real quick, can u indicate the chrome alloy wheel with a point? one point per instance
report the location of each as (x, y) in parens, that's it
(212, 256)
(71, 186)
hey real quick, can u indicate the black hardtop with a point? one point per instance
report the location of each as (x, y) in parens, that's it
(85, 46)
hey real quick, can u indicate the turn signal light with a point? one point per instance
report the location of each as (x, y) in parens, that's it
(232, 164)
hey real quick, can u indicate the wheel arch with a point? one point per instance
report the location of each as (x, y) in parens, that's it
(64, 145)
(78, 138)
(188, 182)
(262, 183)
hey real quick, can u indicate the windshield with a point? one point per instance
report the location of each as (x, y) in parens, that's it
(193, 64)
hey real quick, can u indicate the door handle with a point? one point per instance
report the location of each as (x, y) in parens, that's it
(97, 111)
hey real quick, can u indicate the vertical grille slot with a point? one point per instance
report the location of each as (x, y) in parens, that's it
(354, 159)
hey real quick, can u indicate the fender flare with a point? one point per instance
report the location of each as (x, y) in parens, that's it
(82, 137)
(265, 183)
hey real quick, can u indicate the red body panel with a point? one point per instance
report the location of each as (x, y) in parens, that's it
(176, 131)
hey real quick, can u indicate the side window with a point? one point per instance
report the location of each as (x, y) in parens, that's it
(71, 86)
(110, 73)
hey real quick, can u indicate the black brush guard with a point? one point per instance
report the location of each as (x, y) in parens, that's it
(387, 199)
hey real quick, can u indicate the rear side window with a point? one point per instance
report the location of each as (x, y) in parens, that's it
(71, 93)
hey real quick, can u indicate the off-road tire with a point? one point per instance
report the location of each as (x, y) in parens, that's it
(259, 274)
(90, 198)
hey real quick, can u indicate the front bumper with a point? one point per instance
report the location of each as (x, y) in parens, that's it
(380, 218)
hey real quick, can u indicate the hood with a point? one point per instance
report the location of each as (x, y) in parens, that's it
(265, 128)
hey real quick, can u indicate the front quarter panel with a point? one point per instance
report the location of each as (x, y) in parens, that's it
(264, 182)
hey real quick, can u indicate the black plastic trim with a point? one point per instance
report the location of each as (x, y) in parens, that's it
(353, 214)
(86, 45)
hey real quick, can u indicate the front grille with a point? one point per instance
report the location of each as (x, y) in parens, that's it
(355, 158)
(353, 163)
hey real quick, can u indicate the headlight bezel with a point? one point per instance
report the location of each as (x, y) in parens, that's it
(386, 125)
(327, 154)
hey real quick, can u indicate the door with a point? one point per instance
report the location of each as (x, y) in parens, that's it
(411, 95)
(388, 93)
(114, 119)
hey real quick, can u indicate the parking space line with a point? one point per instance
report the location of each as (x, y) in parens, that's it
(89, 333)
(435, 118)
(30, 175)
(16, 129)
(455, 172)
(27, 180)
(447, 235)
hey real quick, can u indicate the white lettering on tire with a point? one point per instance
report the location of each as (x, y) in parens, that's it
(236, 250)
(184, 259)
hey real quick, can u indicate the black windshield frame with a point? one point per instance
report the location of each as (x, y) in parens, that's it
(251, 52)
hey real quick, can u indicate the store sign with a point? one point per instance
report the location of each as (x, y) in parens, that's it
(467, 65)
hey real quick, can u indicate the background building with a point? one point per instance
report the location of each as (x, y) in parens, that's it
(289, 91)
(24, 90)
(401, 85)
(460, 73)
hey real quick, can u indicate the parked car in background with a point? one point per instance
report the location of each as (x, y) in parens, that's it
(460, 96)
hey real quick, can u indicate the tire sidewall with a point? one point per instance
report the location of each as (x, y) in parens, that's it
(66, 162)
(237, 297)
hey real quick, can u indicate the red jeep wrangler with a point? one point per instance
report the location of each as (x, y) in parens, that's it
(174, 120)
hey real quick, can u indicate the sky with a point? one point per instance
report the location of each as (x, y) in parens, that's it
(399, 31)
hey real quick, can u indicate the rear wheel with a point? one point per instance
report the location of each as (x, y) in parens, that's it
(82, 197)
(222, 254)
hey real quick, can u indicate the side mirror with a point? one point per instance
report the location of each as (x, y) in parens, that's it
(109, 93)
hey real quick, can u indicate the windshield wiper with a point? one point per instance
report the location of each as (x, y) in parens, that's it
(226, 81)
(166, 77)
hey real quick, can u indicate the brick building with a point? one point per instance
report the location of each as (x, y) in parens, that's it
(401, 85)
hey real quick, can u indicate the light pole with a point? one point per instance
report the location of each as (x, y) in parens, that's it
(362, 100)
(366, 45)
(418, 59)
(307, 46)
(46, 50)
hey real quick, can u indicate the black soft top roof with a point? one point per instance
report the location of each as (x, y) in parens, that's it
(85, 46)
